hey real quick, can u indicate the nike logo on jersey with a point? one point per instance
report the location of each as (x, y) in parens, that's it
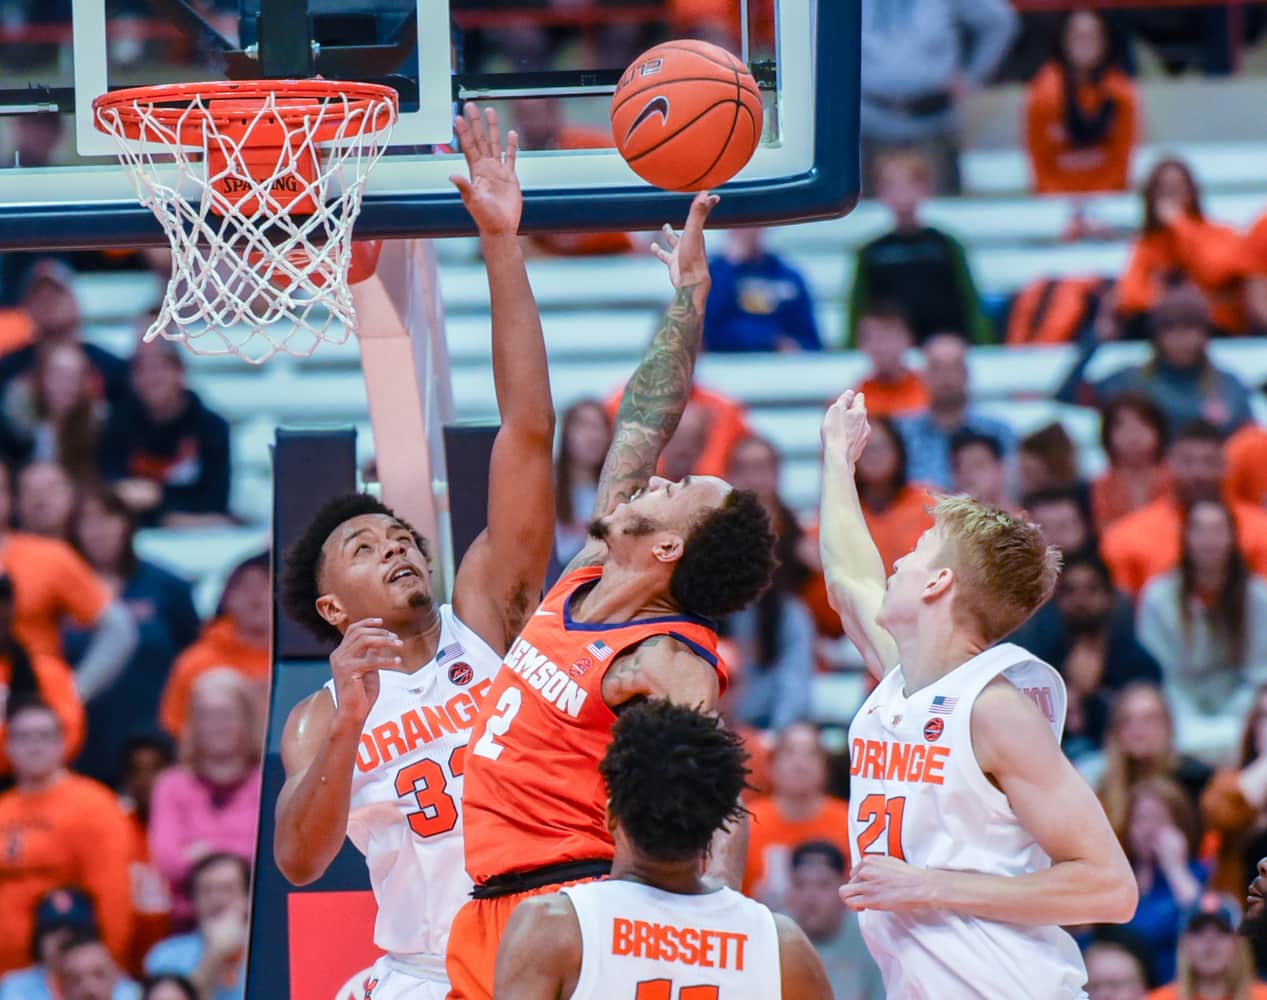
(544, 677)
(658, 105)
(883, 760)
(688, 945)
(422, 725)
(542, 614)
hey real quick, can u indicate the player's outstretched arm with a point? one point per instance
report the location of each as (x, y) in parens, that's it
(1089, 882)
(319, 747)
(659, 388)
(539, 957)
(499, 581)
(851, 563)
(801, 971)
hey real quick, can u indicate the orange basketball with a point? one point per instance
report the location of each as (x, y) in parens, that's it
(686, 116)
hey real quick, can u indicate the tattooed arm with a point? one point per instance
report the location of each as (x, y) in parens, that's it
(658, 391)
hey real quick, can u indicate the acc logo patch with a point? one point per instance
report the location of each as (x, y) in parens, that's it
(933, 729)
(579, 668)
(460, 673)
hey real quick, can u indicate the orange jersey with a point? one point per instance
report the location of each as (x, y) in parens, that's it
(533, 794)
(71, 833)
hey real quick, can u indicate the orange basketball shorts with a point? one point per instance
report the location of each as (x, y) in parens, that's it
(474, 936)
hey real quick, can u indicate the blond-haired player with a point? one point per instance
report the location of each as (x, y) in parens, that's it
(974, 839)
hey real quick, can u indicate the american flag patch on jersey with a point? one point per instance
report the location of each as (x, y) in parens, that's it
(599, 650)
(942, 705)
(449, 652)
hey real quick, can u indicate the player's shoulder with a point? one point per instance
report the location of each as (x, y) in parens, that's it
(1006, 724)
(546, 921)
(306, 726)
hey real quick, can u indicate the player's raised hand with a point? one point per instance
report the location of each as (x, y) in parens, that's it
(366, 649)
(686, 257)
(491, 193)
(878, 882)
(845, 426)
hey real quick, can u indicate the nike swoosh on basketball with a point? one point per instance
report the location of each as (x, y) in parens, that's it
(658, 105)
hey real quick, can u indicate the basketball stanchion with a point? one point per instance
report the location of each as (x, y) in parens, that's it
(257, 185)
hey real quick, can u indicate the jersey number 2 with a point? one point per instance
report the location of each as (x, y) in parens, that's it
(878, 813)
(662, 989)
(426, 781)
(507, 708)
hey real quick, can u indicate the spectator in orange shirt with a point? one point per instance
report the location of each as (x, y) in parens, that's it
(797, 809)
(58, 829)
(1256, 275)
(51, 583)
(1081, 114)
(896, 511)
(1146, 543)
(541, 126)
(892, 389)
(1247, 465)
(1213, 962)
(237, 637)
(1177, 240)
(23, 676)
(1133, 433)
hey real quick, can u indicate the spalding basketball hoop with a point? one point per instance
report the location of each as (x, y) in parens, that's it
(257, 185)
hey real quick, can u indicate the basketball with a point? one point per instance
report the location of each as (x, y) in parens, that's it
(686, 115)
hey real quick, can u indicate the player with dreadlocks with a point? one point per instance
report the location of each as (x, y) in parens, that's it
(658, 927)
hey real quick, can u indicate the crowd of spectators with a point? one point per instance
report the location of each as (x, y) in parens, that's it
(121, 701)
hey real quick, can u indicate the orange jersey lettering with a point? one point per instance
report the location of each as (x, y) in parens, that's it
(533, 794)
(684, 945)
(885, 760)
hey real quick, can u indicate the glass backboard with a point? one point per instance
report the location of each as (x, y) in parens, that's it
(548, 66)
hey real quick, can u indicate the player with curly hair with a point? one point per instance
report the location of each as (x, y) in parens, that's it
(631, 617)
(376, 755)
(658, 927)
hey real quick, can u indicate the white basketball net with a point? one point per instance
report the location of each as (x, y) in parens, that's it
(250, 275)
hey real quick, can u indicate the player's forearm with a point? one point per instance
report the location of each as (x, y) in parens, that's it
(521, 375)
(728, 853)
(312, 819)
(1067, 893)
(848, 552)
(654, 398)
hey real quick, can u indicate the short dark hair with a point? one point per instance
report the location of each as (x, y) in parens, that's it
(302, 561)
(884, 309)
(1087, 559)
(1058, 494)
(1200, 430)
(150, 983)
(727, 559)
(29, 703)
(1143, 406)
(674, 776)
(81, 937)
(820, 850)
(966, 437)
(215, 858)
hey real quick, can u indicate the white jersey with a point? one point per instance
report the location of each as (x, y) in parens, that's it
(634, 936)
(918, 793)
(406, 809)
